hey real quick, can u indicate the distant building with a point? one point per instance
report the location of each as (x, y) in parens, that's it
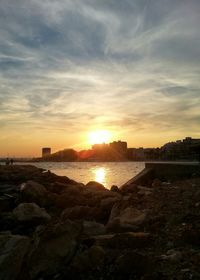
(119, 146)
(101, 146)
(46, 152)
(136, 153)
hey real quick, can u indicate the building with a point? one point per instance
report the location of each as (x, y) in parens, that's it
(100, 147)
(136, 153)
(46, 151)
(119, 146)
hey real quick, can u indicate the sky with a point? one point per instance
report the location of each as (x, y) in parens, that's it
(69, 67)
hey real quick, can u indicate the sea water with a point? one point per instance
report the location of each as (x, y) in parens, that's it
(106, 173)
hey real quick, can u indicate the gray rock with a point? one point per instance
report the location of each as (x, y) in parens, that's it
(33, 192)
(26, 212)
(13, 248)
(54, 246)
(93, 228)
(125, 217)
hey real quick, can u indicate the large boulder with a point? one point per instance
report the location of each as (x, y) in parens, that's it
(82, 213)
(93, 228)
(70, 199)
(95, 196)
(91, 259)
(108, 202)
(54, 246)
(124, 218)
(31, 212)
(13, 249)
(129, 188)
(60, 187)
(95, 185)
(33, 192)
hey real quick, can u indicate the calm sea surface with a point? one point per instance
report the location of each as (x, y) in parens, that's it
(106, 173)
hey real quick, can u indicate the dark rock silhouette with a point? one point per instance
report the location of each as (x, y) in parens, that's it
(52, 227)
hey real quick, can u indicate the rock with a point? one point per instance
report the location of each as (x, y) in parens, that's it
(129, 188)
(89, 260)
(156, 183)
(59, 188)
(26, 212)
(95, 185)
(33, 192)
(191, 235)
(81, 213)
(7, 203)
(108, 202)
(8, 188)
(67, 200)
(124, 240)
(132, 264)
(13, 249)
(93, 228)
(115, 189)
(54, 246)
(144, 191)
(125, 217)
(94, 197)
(7, 221)
(172, 256)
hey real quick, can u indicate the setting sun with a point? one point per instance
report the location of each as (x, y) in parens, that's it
(99, 137)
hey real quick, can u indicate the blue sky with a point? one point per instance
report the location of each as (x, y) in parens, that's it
(69, 67)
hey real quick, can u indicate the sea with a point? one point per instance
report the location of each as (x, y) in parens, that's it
(106, 173)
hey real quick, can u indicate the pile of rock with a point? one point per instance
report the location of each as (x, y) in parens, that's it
(52, 227)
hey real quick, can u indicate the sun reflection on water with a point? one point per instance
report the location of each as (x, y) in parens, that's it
(100, 175)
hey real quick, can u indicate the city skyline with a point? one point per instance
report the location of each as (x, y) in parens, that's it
(185, 149)
(69, 68)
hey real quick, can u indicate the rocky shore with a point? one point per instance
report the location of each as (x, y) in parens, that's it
(52, 227)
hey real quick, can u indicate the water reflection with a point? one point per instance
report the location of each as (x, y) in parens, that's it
(100, 175)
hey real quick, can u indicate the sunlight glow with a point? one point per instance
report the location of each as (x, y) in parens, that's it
(100, 174)
(99, 137)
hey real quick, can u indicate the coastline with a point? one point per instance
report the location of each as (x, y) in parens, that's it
(61, 228)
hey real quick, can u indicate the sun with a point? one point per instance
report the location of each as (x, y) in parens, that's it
(99, 137)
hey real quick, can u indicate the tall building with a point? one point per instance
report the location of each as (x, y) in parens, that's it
(46, 151)
(119, 146)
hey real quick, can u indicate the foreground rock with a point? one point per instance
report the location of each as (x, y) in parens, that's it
(89, 260)
(31, 212)
(54, 246)
(124, 240)
(123, 218)
(55, 228)
(33, 192)
(93, 228)
(13, 249)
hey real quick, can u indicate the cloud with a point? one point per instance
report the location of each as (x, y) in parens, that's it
(69, 65)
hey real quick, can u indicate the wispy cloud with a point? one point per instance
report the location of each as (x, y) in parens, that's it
(74, 65)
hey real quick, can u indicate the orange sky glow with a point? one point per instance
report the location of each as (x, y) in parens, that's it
(71, 68)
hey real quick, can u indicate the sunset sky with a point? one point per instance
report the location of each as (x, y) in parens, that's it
(69, 67)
